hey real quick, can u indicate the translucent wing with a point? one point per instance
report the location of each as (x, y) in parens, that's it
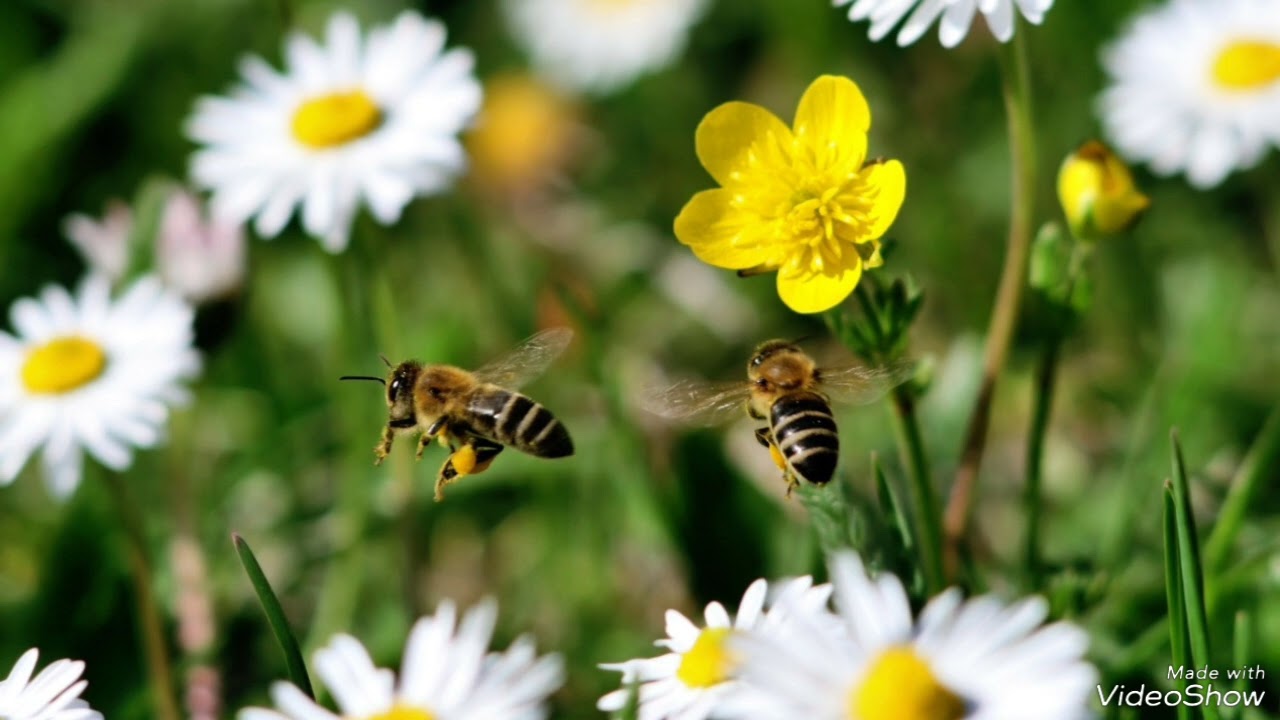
(529, 360)
(862, 384)
(694, 402)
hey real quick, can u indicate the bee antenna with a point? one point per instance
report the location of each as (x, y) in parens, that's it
(363, 377)
(802, 339)
(385, 361)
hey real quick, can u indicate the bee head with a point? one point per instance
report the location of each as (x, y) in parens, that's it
(778, 363)
(400, 381)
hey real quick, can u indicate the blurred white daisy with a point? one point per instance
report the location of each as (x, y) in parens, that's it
(87, 373)
(371, 118)
(953, 17)
(1195, 87)
(53, 694)
(446, 675)
(975, 660)
(598, 46)
(698, 677)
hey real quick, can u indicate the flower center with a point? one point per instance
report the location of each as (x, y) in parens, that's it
(62, 365)
(402, 712)
(1247, 65)
(901, 686)
(816, 223)
(708, 662)
(335, 119)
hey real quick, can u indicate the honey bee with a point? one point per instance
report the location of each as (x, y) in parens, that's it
(787, 388)
(476, 414)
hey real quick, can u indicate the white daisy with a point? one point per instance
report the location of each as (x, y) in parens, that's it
(90, 373)
(373, 119)
(698, 677)
(975, 660)
(446, 675)
(1195, 87)
(54, 694)
(601, 45)
(956, 17)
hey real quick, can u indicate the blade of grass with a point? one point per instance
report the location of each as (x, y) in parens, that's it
(1190, 568)
(891, 505)
(1173, 591)
(1242, 650)
(275, 616)
(1262, 458)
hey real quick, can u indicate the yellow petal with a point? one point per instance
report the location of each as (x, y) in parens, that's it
(886, 185)
(737, 138)
(720, 234)
(831, 124)
(823, 291)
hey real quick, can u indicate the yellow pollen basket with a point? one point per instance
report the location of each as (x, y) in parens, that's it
(901, 686)
(708, 663)
(401, 712)
(62, 365)
(335, 119)
(1247, 65)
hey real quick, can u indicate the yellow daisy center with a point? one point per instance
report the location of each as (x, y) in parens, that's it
(817, 221)
(335, 119)
(62, 365)
(901, 686)
(1247, 65)
(403, 712)
(708, 663)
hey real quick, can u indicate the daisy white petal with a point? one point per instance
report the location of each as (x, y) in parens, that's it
(600, 46)
(975, 660)
(698, 678)
(52, 694)
(341, 125)
(86, 373)
(448, 674)
(1195, 87)
(954, 17)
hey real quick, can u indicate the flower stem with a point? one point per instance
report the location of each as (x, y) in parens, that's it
(1017, 98)
(159, 666)
(907, 431)
(1045, 373)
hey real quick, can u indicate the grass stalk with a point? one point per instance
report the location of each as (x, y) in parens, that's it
(1004, 315)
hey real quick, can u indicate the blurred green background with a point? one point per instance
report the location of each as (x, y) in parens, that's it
(587, 553)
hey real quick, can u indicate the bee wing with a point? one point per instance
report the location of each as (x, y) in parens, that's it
(528, 360)
(694, 402)
(862, 384)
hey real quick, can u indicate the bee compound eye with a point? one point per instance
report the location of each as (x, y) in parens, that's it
(393, 390)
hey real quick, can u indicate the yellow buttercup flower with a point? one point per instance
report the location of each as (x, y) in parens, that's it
(801, 201)
(1097, 192)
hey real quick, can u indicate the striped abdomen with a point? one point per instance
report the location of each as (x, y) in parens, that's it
(805, 433)
(513, 419)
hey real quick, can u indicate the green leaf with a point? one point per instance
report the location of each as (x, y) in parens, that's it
(829, 515)
(275, 616)
(1189, 567)
(1178, 636)
(891, 506)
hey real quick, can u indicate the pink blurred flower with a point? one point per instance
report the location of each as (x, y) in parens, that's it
(104, 243)
(201, 257)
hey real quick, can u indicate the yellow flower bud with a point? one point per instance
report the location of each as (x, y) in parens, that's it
(1097, 192)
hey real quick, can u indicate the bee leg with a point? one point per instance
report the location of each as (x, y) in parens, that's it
(792, 482)
(763, 437)
(472, 458)
(383, 448)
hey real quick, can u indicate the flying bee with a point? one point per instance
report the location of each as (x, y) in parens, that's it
(476, 414)
(786, 388)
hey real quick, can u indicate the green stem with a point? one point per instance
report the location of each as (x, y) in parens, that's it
(1262, 457)
(910, 444)
(1017, 98)
(1032, 500)
(159, 665)
(911, 447)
